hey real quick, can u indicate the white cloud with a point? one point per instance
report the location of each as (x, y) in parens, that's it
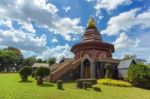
(123, 21)
(42, 13)
(67, 8)
(6, 23)
(58, 52)
(66, 26)
(28, 27)
(127, 20)
(108, 5)
(139, 47)
(22, 40)
(148, 59)
(54, 40)
(124, 42)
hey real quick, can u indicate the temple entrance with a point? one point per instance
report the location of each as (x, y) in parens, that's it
(86, 71)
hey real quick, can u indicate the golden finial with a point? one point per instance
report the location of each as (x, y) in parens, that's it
(91, 23)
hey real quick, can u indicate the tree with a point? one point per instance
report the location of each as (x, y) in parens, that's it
(52, 61)
(19, 58)
(139, 75)
(128, 56)
(40, 73)
(25, 72)
(39, 61)
(137, 60)
(108, 70)
(8, 59)
(29, 61)
(17, 51)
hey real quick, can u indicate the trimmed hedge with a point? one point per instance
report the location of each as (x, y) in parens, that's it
(40, 73)
(89, 82)
(112, 82)
(139, 75)
(25, 72)
(59, 84)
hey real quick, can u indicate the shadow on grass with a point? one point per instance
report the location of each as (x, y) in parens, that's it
(46, 85)
(141, 87)
(61, 89)
(29, 81)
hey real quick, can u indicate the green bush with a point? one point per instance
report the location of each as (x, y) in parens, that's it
(85, 85)
(139, 75)
(59, 84)
(40, 73)
(90, 82)
(112, 82)
(25, 72)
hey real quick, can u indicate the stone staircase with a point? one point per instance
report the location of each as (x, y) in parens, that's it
(63, 69)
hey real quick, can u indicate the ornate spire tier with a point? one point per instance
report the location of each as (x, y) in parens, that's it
(91, 34)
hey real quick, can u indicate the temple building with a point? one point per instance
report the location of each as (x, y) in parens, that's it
(90, 57)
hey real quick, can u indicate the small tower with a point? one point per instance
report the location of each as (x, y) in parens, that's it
(92, 45)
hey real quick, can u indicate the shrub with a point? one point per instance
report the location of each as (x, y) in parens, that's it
(89, 84)
(25, 72)
(112, 82)
(59, 84)
(85, 85)
(40, 73)
(89, 81)
(79, 84)
(139, 75)
(108, 71)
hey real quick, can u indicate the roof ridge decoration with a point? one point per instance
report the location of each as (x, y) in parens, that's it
(91, 23)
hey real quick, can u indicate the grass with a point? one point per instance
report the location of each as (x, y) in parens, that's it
(12, 88)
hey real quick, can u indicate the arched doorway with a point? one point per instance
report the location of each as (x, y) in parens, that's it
(86, 70)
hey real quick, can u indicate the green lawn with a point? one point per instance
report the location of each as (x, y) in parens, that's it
(12, 88)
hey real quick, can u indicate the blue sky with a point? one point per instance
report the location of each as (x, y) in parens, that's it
(49, 28)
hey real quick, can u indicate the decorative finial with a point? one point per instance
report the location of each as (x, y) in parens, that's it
(91, 23)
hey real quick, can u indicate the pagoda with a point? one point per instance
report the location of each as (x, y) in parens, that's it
(92, 44)
(91, 55)
(92, 48)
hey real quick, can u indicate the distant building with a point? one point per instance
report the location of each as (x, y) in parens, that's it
(123, 67)
(37, 65)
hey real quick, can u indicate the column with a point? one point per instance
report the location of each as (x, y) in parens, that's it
(92, 67)
(81, 70)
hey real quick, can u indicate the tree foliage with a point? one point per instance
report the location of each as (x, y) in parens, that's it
(128, 56)
(52, 61)
(139, 75)
(10, 59)
(7, 59)
(25, 72)
(42, 71)
(39, 61)
(16, 51)
(29, 61)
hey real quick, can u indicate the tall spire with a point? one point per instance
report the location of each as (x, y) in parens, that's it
(91, 23)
